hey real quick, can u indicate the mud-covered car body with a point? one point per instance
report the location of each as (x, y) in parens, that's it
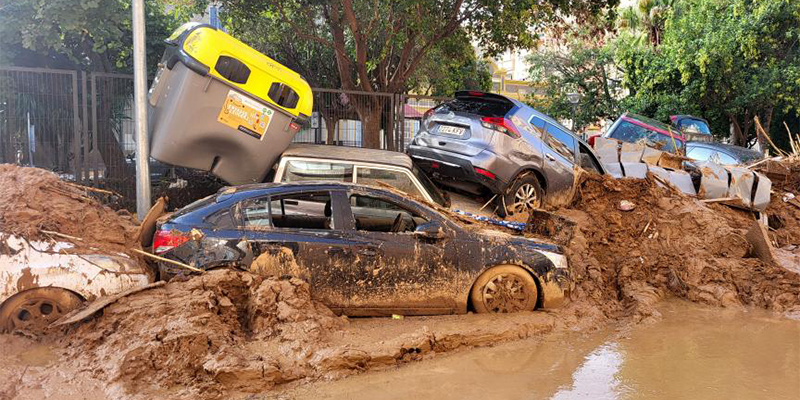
(364, 250)
(26, 265)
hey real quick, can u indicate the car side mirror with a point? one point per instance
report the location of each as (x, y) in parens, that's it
(430, 230)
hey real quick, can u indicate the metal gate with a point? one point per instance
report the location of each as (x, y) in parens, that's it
(80, 124)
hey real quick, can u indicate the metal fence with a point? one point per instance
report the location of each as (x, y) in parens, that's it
(80, 124)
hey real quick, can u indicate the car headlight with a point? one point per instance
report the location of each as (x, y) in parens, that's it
(558, 260)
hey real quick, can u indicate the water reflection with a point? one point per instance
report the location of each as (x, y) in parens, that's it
(695, 352)
(596, 377)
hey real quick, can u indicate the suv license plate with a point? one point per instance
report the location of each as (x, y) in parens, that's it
(452, 130)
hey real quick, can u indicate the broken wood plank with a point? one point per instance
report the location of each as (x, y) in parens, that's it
(167, 260)
(718, 200)
(101, 303)
(759, 239)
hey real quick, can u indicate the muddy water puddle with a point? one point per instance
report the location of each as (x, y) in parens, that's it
(695, 352)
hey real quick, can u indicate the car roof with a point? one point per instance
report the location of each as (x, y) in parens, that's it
(737, 151)
(353, 154)
(297, 186)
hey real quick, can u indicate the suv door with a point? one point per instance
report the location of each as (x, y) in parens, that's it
(559, 161)
(398, 271)
(304, 235)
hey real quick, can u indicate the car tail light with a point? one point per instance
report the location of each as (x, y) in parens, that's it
(427, 114)
(500, 124)
(591, 140)
(485, 173)
(434, 165)
(293, 126)
(473, 93)
(164, 241)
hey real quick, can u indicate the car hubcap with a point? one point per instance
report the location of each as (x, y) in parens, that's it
(525, 199)
(35, 315)
(505, 293)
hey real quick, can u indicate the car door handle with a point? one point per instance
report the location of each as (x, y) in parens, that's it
(550, 157)
(335, 250)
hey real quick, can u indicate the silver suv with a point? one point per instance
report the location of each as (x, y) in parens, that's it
(487, 144)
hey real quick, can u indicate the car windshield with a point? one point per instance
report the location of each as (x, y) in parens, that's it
(694, 126)
(434, 191)
(627, 131)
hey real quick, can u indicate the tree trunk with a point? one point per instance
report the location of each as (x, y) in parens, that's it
(117, 170)
(330, 127)
(738, 136)
(370, 112)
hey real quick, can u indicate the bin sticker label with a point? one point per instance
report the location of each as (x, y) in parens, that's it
(245, 114)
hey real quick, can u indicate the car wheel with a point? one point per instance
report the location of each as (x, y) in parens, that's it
(33, 310)
(504, 289)
(524, 196)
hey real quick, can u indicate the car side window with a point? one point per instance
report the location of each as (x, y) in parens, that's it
(373, 214)
(302, 211)
(221, 219)
(538, 123)
(300, 170)
(562, 142)
(396, 179)
(255, 213)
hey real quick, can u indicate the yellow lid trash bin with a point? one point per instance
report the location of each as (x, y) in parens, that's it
(218, 105)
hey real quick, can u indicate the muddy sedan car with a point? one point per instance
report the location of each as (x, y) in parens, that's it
(45, 279)
(365, 250)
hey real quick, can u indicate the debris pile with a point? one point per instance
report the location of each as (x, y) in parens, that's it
(623, 261)
(34, 202)
(222, 329)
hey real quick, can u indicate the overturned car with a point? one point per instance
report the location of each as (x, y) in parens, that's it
(364, 250)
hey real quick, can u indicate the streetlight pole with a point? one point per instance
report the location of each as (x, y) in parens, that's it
(574, 99)
(140, 111)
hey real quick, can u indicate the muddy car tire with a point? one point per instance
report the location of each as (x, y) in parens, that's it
(524, 195)
(504, 289)
(32, 311)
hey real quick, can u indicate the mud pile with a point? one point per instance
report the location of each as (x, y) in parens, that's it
(784, 209)
(625, 261)
(33, 200)
(221, 330)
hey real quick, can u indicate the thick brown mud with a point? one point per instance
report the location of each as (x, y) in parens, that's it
(623, 262)
(229, 332)
(34, 200)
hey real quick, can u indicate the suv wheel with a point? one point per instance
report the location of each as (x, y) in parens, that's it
(524, 196)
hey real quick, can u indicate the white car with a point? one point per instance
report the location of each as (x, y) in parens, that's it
(43, 280)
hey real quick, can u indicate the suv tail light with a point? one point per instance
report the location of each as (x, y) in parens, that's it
(485, 173)
(500, 124)
(592, 139)
(164, 241)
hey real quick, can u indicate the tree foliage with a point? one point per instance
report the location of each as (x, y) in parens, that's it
(93, 35)
(379, 46)
(583, 66)
(726, 60)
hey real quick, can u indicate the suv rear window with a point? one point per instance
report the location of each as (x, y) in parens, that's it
(482, 107)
